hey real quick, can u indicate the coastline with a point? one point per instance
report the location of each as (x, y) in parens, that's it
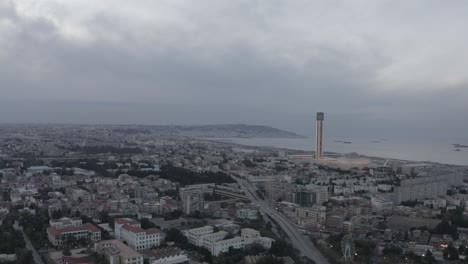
(258, 143)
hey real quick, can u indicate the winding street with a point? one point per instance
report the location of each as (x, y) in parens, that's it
(303, 244)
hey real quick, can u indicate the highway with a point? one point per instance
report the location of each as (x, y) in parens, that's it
(299, 241)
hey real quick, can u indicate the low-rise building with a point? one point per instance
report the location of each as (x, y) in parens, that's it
(247, 212)
(130, 231)
(65, 222)
(208, 240)
(117, 252)
(253, 236)
(195, 235)
(56, 235)
(168, 255)
(224, 245)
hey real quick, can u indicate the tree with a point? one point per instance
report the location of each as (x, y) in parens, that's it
(392, 250)
(428, 258)
(57, 214)
(146, 223)
(444, 227)
(256, 249)
(269, 259)
(461, 249)
(174, 235)
(66, 251)
(451, 253)
(24, 256)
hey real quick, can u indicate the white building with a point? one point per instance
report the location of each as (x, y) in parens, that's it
(425, 187)
(117, 252)
(224, 245)
(379, 203)
(216, 243)
(65, 222)
(168, 255)
(130, 231)
(253, 236)
(195, 235)
(208, 240)
(247, 212)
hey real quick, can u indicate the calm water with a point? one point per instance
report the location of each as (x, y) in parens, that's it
(416, 150)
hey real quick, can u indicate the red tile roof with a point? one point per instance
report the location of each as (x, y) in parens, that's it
(77, 260)
(133, 229)
(57, 232)
(163, 252)
(152, 231)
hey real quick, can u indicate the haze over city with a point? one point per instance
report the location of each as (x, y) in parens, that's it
(233, 132)
(378, 68)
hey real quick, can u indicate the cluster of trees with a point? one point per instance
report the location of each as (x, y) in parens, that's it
(444, 227)
(10, 239)
(248, 163)
(12, 242)
(187, 177)
(340, 171)
(87, 164)
(110, 149)
(412, 203)
(6, 195)
(264, 227)
(35, 227)
(394, 254)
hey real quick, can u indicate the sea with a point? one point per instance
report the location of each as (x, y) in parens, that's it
(440, 151)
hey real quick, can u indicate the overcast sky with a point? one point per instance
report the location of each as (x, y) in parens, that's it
(392, 67)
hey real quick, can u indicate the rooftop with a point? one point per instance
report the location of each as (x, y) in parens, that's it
(119, 248)
(57, 232)
(163, 252)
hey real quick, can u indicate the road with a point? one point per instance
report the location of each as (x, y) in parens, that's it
(29, 246)
(303, 244)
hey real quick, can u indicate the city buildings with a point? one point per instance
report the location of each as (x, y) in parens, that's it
(217, 244)
(192, 197)
(117, 252)
(247, 212)
(224, 245)
(87, 231)
(195, 235)
(419, 188)
(167, 255)
(311, 217)
(301, 197)
(129, 231)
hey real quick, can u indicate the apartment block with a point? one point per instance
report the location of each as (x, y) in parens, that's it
(130, 231)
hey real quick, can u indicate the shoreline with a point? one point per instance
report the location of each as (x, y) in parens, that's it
(230, 141)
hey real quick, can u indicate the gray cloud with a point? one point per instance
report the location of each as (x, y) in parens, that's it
(373, 66)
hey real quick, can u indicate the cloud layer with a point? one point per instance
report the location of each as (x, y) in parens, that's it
(395, 62)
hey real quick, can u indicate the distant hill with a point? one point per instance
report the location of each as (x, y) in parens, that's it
(211, 131)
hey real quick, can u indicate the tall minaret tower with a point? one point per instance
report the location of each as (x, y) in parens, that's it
(318, 139)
